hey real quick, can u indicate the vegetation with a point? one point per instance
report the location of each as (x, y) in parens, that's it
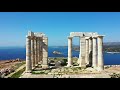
(17, 74)
(114, 75)
(111, 48)
(106, 48)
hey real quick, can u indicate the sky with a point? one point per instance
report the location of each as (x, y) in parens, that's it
(14, 26)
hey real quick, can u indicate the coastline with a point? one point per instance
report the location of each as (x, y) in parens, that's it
(112, 52)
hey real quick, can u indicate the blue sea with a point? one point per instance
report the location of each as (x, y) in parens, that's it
(8, 53)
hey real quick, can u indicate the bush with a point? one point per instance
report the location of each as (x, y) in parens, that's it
(114, 75)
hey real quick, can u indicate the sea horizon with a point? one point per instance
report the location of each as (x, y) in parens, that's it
(10, 53)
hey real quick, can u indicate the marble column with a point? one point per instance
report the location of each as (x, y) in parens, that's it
(79, 51)
(87, 51)
(45, 52)
(100, 53)
(82, 51)
(94, 54)
(69, 51)
(38, 49)
(32, 52)
(35, 49)
(28, 54)
(40, 54)
(90, 51)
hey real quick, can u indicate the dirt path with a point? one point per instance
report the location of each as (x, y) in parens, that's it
(21, 67)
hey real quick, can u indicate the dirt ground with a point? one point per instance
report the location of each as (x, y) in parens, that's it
(87, 73)
(8, 63)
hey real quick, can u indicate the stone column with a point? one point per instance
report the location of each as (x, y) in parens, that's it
(40, 54)
(38, 49)
(94, 56)
(28, 55)
(79, 52)
(100, 53)
(82, 51)
(35, 49)
(32, 52)
(87, 51)
(45, 52)
(69, 51)
(90, 51)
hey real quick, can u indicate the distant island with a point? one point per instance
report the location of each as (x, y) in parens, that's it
(108, 47)
(111, 47)
(56, 52)
(76, 48)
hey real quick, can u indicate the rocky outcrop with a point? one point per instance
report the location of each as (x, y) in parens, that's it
(56, 52)
(4, 72)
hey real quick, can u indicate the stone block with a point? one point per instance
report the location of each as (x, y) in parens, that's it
(45, 66)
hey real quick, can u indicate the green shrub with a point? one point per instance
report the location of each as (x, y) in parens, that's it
(114, 75)
(17, 74)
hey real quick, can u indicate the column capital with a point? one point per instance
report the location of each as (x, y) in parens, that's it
(94, 37)
(70, 37)
(32, 37)
(100, 36)
(87, 38)
(90, 38)
(35, 37)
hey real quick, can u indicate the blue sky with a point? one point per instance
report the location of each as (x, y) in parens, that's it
(57, 26)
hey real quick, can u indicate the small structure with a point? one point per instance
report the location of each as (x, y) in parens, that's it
(36, 50)
(91, 50)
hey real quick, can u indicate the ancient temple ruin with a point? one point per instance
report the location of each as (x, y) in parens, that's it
(91, 50)
(36, 50)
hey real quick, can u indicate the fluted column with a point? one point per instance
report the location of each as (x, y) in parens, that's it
(79, 51)
(38, 49)
(32, 52)
(94, 56)
(69, 51)
(100, 53)
(40, 54)
(45, 52)
(28, 54)
(90, 51)
(35, 50)
(87, 51)
(82, 53)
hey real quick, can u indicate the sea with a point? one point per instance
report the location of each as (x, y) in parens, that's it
(9, 53)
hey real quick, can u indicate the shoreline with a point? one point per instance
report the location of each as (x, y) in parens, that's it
(112, 52)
